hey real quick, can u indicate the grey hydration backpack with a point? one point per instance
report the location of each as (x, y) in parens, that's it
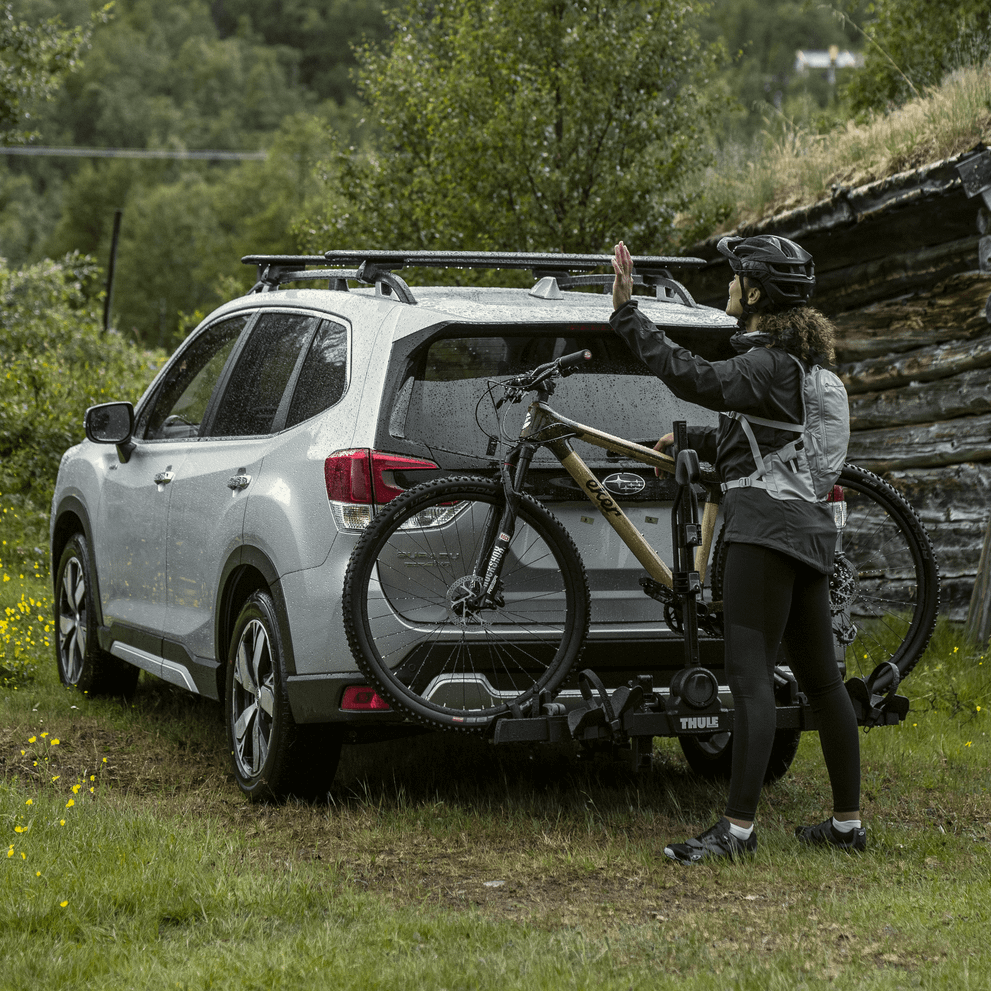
(806, 468)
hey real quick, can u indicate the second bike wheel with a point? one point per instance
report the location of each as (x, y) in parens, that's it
(885, 586)
(884, 591)
(711, 757)
(415, 628)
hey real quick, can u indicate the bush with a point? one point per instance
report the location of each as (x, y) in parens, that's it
(56, 361)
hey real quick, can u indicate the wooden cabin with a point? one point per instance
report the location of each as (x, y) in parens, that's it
(903, 268)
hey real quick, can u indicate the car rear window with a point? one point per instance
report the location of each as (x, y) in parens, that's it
(447, 402)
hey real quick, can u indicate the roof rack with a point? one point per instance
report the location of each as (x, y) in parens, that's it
(276, 270)
(553, 271)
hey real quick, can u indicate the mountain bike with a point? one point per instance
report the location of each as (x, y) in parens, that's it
(466, 601)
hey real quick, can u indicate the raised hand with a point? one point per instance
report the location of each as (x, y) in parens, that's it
(622, 287)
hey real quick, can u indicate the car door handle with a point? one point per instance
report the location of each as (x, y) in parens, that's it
(236, 482)
(164, 477)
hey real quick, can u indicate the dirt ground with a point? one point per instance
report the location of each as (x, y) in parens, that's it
(437, 819)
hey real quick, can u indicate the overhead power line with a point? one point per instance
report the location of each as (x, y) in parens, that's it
(237, 156)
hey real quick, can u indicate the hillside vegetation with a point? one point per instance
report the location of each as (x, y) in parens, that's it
(791, 166)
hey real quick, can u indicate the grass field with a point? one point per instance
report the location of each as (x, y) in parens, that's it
(130, 859)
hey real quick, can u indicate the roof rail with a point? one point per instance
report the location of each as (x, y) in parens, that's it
(377, 267)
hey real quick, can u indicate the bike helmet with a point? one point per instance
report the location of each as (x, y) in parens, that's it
(783, 270)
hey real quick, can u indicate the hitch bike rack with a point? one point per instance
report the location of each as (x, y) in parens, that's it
(633, 714)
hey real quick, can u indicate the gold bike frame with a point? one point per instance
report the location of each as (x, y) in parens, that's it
(555, 432)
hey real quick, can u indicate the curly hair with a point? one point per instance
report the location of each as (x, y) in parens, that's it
(804, 331)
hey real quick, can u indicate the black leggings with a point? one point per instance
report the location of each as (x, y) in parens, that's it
(769, 598)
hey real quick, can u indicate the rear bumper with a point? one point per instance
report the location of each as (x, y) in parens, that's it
(616, 656)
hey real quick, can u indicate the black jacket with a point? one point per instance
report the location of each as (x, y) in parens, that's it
(761, 381)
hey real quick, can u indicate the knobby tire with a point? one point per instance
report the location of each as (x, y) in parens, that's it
(421, 649)
(892, 560)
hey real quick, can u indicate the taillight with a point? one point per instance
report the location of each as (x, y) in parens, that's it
(361, 698)
(359, 481)
(837, 502)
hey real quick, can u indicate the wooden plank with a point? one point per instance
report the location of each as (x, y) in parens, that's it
(921, 445)
(949, 496)
(953, 310)
(938, 306)
(952, 503)
(954, 598)
(895, 275)
(921, 365)
(968, 394)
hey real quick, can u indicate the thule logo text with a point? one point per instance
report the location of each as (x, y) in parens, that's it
(699, 722)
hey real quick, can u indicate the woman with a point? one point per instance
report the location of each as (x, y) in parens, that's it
(779, 548)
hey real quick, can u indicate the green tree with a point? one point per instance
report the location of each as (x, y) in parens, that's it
(914, 44)
(34, 61)
(159, 76)
(186, 227)
(55, 362)
(322, 34)
(538, 125)
(169, 245)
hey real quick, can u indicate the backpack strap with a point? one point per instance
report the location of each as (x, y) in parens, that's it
(788, 453)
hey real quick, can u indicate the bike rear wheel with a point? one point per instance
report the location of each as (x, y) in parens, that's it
(884, 592)
(412, 618)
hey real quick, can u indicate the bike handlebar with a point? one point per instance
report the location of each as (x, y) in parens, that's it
(569, 360)
(517, 387)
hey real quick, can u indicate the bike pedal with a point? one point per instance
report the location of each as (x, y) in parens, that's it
(657, 591)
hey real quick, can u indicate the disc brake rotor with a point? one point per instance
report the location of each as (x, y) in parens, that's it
(463, 600)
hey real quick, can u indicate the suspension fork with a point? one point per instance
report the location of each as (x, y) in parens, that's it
(499, 529)
(513, 474)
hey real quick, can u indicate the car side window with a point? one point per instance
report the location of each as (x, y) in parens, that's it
(323, 377)
(178, 408)
(254, 393)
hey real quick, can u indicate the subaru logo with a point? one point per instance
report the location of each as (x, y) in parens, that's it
(624, 483)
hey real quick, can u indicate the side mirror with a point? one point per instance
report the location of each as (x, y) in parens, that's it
(111, 423)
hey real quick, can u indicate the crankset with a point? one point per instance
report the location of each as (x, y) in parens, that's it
(709, 614)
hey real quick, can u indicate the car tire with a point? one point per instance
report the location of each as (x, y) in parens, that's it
(272, 757)
(82, 664)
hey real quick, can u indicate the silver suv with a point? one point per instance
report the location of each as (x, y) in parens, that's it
(203, 535)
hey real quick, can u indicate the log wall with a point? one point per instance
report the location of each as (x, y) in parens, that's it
(920, 413)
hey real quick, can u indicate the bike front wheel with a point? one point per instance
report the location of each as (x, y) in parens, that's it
(421, 632)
